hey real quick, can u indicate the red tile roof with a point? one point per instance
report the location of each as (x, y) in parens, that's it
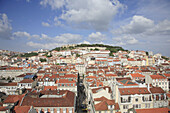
(66, 100)
(133, 91)
(14, 98)
(26, 81)
(22, 109)
(3, 108)
(95, 90)
(9, 84)
(167, 75)
(137, 75)
(50, 87)
(153, 110)
(157, 77)
(157, 90)
(66, 81)
(110, 75)
(102, 106)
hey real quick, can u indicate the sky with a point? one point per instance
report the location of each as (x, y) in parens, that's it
(27, 25)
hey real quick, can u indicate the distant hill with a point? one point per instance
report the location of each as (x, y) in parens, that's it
(112, 49)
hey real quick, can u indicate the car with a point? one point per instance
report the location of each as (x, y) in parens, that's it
(85, 109)
(83, 106)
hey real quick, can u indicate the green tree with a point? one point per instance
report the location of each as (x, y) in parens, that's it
(43, 60)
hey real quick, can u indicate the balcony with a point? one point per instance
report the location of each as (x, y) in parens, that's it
(146, 99)
(126, 100)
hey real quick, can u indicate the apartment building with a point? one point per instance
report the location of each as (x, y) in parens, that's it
(158, 81)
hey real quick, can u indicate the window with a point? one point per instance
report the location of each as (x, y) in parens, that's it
(125, 106)
(136, 105)
(136, 99)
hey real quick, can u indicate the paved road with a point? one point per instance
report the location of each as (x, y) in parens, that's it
(81, 98)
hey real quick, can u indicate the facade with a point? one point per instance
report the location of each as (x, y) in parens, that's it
(158, 81)
(9, 88)
(138, 98)
(159, 96)
(26, 84)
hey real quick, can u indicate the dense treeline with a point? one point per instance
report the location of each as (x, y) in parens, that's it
(112, 49)
(29, 54)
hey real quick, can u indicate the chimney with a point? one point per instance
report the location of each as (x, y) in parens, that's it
(148, 86)
(107, 89)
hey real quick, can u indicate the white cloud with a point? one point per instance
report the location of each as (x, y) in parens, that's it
(68, 38)
(97, 37)
(55, 4)
(162, 28)
(65, 38)
(44, 46)
(85, 42)
(5, 27)
(144, 26)
(20, 34)
(125, 40)
(48, 42)
(45, 24)
(27, 0)
(96, 14)
(138, 24)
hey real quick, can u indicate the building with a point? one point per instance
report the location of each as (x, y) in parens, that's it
(138, 98)
(159, 97)
(54, 101)
(158, 81)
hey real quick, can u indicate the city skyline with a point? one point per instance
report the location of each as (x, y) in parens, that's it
(27, 25)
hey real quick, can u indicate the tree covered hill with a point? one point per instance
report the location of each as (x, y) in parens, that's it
(112, 49)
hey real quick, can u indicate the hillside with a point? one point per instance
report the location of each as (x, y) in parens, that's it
(112, 49)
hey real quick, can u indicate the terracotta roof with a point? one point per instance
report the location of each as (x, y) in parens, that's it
(109, 102)
(9, 84)
(3, 108)
(157, 90)
(167, 75)
(153, 110)
(13, 98)
(91, 77)
(26, 81)
(137, 75)
(66, 81)
(168, 95)
(133, 91)
(95, 90)
(50, 87)
(110, 75)
(66, 100)
(22, 109)
(102, 106)
(130, 59)
(157, 77)
(22, 75)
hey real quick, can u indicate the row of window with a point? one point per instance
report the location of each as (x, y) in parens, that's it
(136, 106)
(66, 84)
(160, 83)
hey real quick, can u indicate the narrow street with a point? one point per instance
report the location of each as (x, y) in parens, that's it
(81, 104)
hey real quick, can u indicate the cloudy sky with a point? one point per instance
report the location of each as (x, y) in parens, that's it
(27, 25)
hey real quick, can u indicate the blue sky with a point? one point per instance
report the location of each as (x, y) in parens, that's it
(27, 25)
